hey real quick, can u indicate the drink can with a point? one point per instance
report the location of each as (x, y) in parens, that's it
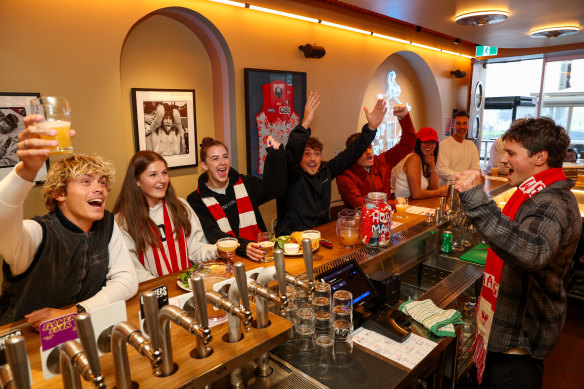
(446, 246)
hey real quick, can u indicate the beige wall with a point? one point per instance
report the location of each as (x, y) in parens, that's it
(94, 52)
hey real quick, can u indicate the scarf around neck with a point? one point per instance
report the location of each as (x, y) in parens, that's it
(248, 227)
(494, 265)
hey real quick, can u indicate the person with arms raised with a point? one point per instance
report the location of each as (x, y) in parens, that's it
(76, 253)
(372, 173)
(227, 203)
(308, 194)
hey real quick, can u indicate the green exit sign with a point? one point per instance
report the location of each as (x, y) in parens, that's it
(484, 51)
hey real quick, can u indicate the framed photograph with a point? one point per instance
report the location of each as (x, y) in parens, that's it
(274, 105)
(164, 121)
(13, 108)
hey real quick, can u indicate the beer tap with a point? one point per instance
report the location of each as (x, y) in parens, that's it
(14, 374)
(126, 333)
(308, 263)
(269, 274)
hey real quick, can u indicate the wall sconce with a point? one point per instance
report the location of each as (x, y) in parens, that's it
(480, 18)
(553, 32)
(458, 73)
(312, 51)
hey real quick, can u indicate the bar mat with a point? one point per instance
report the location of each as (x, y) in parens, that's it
(477, 254)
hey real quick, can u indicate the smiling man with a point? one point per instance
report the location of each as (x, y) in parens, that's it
(457, 153)
(522, 306)
(308, 194)
(75, 254)
(372, 173)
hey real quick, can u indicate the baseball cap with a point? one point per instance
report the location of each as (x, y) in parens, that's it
(426, 133)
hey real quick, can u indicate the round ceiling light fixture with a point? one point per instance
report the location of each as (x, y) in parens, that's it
(480, 18)
(554, 32)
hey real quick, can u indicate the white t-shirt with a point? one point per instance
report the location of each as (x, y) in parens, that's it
(454, 157)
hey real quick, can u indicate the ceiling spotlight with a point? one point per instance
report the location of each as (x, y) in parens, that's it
(480, 18)
(553, 32)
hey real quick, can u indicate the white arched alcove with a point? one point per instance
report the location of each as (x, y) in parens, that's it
(200, 56)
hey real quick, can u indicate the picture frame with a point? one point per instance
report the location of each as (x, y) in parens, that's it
(14, 106)
(274, 105)
(165, 122)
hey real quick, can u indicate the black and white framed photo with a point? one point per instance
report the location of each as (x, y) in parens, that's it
(274, 105)
(164, 122)
(13, 108)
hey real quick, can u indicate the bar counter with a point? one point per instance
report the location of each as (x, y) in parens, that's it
(226, 357)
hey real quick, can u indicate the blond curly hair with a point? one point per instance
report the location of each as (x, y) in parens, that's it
(71, 168)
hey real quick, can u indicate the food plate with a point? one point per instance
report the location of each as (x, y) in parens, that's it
(182, 286)
(298, 253)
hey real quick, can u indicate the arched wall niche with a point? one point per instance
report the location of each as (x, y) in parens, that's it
(221, 68)
(418, 88)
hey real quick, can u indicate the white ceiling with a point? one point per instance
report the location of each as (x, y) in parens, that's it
(525, 15)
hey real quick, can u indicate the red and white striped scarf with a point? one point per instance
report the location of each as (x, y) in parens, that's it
(171, 262)
(494, 265)
(248, 227)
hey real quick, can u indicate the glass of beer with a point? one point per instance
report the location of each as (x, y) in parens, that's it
(401, 205)
(57, 115)
(267, 240)
(212, 273)
(495, 169)
(228, 244)
(581, 176)
(314, 237)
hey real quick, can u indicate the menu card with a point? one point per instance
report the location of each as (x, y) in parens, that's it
(408, 354)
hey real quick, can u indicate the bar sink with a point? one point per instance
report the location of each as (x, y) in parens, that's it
(424, 276)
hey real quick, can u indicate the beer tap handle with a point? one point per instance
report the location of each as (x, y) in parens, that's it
(307, 253)
(241, 280)
(151, 313)
(17, 359)
(280, 271)
(198, 287)
(87, 339)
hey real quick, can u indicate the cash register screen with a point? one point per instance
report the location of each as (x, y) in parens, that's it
(349, 276)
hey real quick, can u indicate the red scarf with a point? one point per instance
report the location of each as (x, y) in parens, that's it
(248, 227)
(494, 265)
(172, 264)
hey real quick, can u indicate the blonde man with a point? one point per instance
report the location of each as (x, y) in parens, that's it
(75, 254)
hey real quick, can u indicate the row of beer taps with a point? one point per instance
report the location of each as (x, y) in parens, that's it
(80, 358)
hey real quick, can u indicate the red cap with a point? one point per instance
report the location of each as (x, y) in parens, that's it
(426, 133)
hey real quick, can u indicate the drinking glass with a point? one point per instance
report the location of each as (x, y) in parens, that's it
(304, 329)
(495, 169)
(343, 298)
(324, 355)
(314, 237)
(343, 341)
(57, 115)
(349, 227)
(322, 323)
(267, 241)
(401, 206)
(321, 304)
(227, 245)
(581, 176)
(322, 289)
(212, 273)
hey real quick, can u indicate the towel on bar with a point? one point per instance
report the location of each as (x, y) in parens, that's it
(438, 321)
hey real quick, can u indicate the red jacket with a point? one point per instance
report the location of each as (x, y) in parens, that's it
(356, 182)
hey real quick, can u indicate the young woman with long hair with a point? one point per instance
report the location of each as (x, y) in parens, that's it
(227, 202)
(416, 175)
(162, 232)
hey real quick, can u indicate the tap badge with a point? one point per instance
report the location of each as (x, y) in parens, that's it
(57, 331)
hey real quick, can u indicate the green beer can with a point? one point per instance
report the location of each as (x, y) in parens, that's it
(446, 246)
